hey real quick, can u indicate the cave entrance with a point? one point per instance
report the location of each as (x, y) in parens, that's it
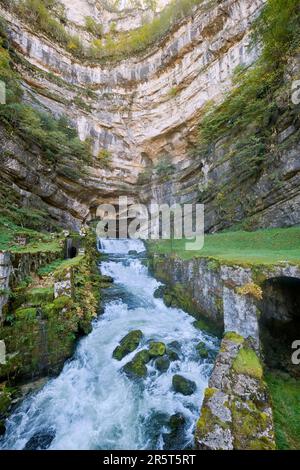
(280, 323)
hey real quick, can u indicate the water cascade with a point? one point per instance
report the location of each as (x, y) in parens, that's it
(93, 404)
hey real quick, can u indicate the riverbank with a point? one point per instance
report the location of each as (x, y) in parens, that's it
(50, 301)
(135, 382)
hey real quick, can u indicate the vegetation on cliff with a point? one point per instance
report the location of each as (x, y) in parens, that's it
(45, 16)
(56, 138)
(245, 130)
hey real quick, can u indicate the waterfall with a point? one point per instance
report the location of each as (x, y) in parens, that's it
(92, 404)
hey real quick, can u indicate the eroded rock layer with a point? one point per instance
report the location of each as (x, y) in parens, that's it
(141, 110)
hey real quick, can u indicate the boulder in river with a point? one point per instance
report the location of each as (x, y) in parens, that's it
(162, 363)
(183, 385)
(40, 440)
(128, 344)
(157, 349)
(202, 350)
(136, 369)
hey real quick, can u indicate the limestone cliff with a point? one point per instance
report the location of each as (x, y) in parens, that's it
(140, 110)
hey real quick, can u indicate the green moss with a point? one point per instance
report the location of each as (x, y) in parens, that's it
(156, 349)
(248, 363)
(285, 394)
(40, 295)
(207, 421)
(39, 344)
(234, 337)
(202, 350)
(50, 268)
(128, 344)
(26, 313)
(208, 327)
(247, 423)
(137, 367)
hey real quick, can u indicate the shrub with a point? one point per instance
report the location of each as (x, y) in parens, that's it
(104, 157)
(93, 27)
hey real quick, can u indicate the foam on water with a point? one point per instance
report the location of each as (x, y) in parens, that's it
(92, 404)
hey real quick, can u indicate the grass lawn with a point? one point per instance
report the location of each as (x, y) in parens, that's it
(285, 394)
(271, 246)
(37, 241)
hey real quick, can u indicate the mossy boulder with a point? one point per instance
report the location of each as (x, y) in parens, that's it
(5, 401)
(157, 349)
(128, 344)
(176, 422)
(137, 367)
(162, 363)
(202, 350)
(182, 385)
(172, 355)
(142, 356)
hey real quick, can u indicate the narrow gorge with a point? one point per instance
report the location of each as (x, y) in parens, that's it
(126, 344)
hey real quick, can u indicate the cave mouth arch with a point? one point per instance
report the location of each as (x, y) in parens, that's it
(280, 323)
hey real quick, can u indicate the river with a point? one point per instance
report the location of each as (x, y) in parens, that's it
(92, 404)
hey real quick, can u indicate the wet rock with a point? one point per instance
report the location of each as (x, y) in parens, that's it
(182, 385)
(176, 422)
(173, 350)
(159, 292)
(137, 367)
(173, 439)
(106, 279)
(40, 441)
(142, 356)
(128, 344)
(172, 355)
(132, 253)
(157, 349)
(175, 345)
(162, 363)
(202, 350)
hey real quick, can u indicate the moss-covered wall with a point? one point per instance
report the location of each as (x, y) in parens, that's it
(43, 323)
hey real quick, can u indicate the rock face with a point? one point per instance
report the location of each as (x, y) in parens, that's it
(236, 412)
(229, 297)
(141, 109)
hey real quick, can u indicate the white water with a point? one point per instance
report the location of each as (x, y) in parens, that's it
(92, 404)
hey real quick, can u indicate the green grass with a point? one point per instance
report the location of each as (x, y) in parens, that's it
(263, 247)
(50, 268)
(285, 393)
(37, 241)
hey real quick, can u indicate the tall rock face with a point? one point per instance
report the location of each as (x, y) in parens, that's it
(145, 110)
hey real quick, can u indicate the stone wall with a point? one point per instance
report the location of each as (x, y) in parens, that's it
(236, 412)
(228, 295)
